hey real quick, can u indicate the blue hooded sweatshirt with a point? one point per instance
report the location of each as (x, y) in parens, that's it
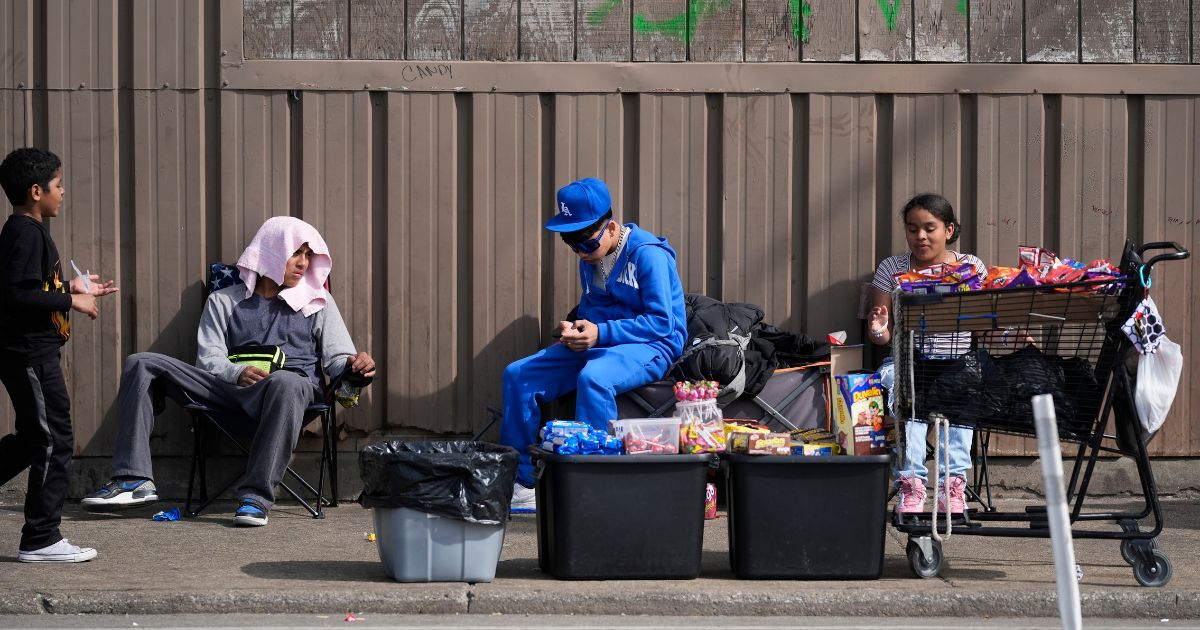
(642, 301)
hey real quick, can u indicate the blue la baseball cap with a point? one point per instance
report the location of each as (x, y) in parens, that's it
(580, 204)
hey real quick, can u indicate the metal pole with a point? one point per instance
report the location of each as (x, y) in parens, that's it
(1056, 512)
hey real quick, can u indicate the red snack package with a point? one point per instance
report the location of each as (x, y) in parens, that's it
(999, 277)
(710, 501)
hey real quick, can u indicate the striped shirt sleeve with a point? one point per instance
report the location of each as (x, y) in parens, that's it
(887, 268)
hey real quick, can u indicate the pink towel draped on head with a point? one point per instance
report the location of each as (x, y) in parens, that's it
(268, 253)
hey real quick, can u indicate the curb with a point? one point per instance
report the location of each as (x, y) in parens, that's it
(468, 599)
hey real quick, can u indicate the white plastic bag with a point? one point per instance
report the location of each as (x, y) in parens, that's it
(1157, 380)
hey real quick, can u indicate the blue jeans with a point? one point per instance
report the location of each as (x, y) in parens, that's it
(597, 376)
(913, 464)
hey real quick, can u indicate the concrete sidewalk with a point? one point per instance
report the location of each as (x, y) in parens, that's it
(300, 565)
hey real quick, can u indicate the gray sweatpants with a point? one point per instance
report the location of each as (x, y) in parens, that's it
(277, 402)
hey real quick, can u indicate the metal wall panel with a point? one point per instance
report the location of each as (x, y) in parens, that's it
(423, 239)
(1010, 199)
(83, 132)
(926, 156)
(759, 242)
(17, 52)
(1009, 202)
(16, 119)
(839, 216)
(674, 180)
(1092, 177)
(256, 176)
(507, 243)
(169, 50)
(163, 256)
(337, 195)
(81, 44)
(1171, 151)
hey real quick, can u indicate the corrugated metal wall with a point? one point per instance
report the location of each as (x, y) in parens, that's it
(432, 201)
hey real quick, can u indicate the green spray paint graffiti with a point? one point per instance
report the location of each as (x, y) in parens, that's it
(683, 25)
(602, 11)
(889, 9)
(801, 13)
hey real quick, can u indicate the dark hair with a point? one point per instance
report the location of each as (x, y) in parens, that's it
(939, 207)
(581, 235)
(23, 168)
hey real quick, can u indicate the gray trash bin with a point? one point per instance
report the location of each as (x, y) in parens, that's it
(440, 508)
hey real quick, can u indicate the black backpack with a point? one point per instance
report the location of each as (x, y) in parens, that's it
(718, 335)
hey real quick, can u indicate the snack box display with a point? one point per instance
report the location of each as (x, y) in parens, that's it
(760, 443)
(657, 436)
(858, 414)
(816, 449)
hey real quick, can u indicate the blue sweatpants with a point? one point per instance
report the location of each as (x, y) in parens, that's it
(597, 376)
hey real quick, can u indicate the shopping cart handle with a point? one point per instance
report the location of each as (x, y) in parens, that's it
(1179, 254)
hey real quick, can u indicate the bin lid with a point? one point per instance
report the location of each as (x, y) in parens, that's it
(805, 460)
(624, 460)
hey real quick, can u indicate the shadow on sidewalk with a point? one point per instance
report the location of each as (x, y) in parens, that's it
(318, 570)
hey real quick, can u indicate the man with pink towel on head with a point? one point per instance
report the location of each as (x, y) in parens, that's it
(283, 306)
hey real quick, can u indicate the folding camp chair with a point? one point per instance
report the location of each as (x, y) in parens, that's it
(791, 399)
(209, 423)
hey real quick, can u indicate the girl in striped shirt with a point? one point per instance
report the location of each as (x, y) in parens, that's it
(930, 226)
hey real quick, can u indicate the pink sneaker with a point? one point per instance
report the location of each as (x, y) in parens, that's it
(912, 496)
(958, 495)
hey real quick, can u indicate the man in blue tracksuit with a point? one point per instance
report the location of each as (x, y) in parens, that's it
(630, 325)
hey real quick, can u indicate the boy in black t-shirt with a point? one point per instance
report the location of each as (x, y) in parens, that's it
(34, 324)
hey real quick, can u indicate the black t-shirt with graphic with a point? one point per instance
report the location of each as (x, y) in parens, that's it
(34, 300)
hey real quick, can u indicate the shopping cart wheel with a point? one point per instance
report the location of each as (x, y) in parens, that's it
(1127, 550)
(1157, 572)
(926, 563)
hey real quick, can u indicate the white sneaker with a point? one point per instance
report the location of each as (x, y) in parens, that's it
(61, 551)
(524, 500)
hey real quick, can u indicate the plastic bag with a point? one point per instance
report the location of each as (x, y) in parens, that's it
(1157, 381)
(701, 426)
(469, 481)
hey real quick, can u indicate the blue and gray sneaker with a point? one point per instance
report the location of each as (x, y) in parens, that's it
(250, 513)
(119, 494)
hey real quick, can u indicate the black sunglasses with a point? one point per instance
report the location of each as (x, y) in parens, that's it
(588, 246)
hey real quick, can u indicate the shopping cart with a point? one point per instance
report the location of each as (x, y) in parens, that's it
(977, 358)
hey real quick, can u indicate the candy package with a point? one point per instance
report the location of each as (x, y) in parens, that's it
(816, 449)
(701, 425)
(655, 436)
(760, 443)
(940, 278)
(567, 437)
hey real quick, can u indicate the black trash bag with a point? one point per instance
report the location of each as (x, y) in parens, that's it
(1081, 393)
(470, 481)
(965, 390)
(1029, 372)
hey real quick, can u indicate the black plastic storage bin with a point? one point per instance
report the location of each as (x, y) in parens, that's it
(611, 517)
(807, 517)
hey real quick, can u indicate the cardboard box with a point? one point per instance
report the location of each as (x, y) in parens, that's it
(858, 419)
(760, 443)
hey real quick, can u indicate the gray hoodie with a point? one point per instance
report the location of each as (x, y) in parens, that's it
(220, 330)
